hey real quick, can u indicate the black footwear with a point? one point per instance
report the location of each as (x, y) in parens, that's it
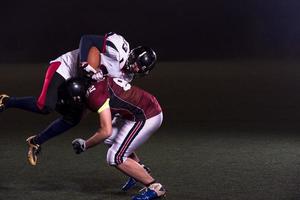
(33, 151)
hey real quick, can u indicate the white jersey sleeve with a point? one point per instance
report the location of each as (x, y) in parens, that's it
(68, 66)
(112, 65)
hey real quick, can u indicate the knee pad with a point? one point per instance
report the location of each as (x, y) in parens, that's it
(110, 157)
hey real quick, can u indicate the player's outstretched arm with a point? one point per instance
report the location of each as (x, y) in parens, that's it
(104, 131)
(80, 145)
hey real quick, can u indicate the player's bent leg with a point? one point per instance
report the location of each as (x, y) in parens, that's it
(130, 167)
(131, 136)
(135, 170)
(142, 136)
(3, 100)
(56, 128)
(33, 150)
(28, 103)
(131, 182)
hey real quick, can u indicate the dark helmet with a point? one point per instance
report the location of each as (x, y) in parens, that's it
(72, 95)
(143, 57)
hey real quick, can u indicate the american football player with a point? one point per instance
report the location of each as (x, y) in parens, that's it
(62, 69)
(139, 115)
(115, 57)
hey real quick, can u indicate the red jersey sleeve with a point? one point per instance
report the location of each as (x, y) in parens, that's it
(98, 95)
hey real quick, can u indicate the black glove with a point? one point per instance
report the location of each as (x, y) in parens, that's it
(78, 145)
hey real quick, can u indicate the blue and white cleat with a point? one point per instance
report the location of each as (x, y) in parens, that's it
(129, 184)
(154, 191)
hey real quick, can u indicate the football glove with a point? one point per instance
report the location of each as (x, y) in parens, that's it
(98, 76)
(88, 70)
(78, 145)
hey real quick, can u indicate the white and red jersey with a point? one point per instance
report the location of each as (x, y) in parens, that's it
(131, 102)
(114, 52)
(68, 64)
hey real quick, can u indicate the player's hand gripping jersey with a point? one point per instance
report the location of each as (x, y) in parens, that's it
(130, 102)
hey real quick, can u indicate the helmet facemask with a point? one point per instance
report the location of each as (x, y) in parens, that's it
(141, 61)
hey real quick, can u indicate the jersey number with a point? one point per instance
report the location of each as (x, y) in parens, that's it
(122, 83)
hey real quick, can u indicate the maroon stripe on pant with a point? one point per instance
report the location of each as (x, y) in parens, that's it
(128, 140)
(48, 78)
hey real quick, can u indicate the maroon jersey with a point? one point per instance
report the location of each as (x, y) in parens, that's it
(129, 101)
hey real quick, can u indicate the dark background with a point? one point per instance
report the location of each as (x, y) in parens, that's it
(227, 78)
(219, 61)
(177, 30)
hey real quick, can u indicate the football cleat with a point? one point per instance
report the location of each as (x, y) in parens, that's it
(3, 99)
(129, 184)
(33, 151)
(131, 181)
(154, 191)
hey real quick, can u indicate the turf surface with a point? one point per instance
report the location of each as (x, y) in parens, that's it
(193, 164)
(204, 151)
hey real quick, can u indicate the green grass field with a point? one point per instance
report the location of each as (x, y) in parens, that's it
(222, 137)
(193, 164)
